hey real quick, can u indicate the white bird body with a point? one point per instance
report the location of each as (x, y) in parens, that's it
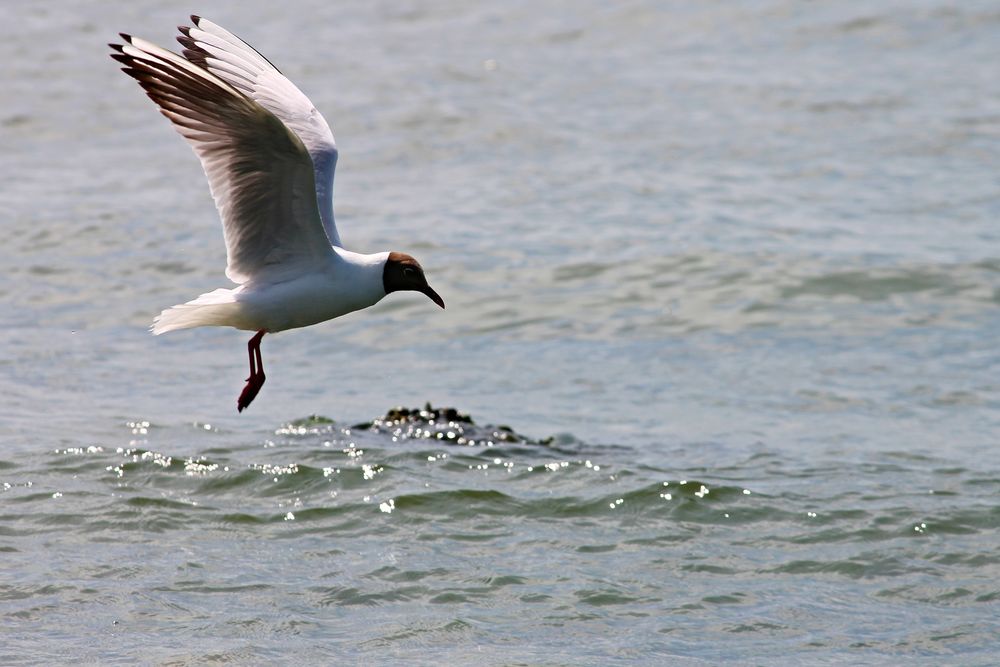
(352, 281)
(270, 158)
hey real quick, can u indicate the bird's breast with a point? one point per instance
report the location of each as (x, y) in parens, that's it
(310, 299)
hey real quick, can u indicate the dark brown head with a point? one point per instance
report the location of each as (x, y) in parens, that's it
(402, 272)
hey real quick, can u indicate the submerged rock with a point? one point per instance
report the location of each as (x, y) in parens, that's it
(428, 414)
(445, 424)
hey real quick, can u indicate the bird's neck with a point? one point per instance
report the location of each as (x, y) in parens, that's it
(377, 259)
(363, 271)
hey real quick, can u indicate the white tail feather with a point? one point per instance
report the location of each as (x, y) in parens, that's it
(218, 308)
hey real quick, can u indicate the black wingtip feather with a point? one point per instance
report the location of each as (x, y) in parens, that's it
(117, 47)
(195, 19)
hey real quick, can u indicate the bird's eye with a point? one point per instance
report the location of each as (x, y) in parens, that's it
(409, 272)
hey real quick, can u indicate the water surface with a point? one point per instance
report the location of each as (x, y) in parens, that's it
(727, 274)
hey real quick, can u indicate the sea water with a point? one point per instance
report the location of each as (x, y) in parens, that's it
(720, 347)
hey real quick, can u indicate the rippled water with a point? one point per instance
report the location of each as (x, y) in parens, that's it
(727, 272)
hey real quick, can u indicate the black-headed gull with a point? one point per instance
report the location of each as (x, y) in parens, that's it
(269, 157)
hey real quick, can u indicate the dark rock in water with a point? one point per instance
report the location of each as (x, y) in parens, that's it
(445, 424)
(311, 420)
(428, 414)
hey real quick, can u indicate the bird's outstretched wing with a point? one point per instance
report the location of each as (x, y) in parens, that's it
(243, 67)
(260, 174)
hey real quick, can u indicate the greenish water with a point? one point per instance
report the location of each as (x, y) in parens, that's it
(429, 540)
(727, 273)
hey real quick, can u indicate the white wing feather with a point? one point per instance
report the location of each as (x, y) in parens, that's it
(240, 65)
(259, 172)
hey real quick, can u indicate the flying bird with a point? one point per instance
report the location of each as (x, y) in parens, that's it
(269, 156)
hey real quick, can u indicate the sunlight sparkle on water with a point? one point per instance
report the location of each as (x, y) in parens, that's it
(92, 449)
(138, 427)
(275, 470)
(196, 467)
(159, 459)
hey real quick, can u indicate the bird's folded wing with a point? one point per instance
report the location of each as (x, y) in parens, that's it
(243, 67)
(259, 172)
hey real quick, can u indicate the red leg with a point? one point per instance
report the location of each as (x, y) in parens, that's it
(257, 377)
